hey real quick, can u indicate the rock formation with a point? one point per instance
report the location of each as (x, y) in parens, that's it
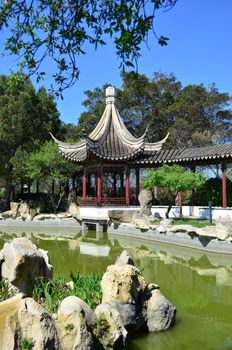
(129, 304)
(118, 216)
(74, 321)
(145, 200)
(21, 262)
(141, 305)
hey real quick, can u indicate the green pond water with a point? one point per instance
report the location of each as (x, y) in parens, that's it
(198, 284)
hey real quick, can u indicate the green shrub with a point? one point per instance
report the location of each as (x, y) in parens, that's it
(212, 191)
(1, 193)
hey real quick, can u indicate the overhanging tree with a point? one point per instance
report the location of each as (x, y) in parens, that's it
(175, 179)
(59, 30)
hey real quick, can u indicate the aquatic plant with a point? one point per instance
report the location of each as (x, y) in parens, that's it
(87, 288)
(51, 293)
(6, 291)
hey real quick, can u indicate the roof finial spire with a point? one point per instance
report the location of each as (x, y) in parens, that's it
(110, 95)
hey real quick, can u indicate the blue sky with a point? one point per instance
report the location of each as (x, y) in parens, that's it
(199, 51)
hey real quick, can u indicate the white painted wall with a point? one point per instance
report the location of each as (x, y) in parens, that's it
(198, 212)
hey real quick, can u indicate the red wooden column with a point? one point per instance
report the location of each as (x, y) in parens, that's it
(84, 185)
(224, 194)
(99, 183)
(137, 184)
(127, 186)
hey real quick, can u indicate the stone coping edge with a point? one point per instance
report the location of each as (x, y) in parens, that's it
(203, 243)
(52, 222)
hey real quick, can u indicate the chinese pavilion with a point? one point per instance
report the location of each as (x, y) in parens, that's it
(110, 153)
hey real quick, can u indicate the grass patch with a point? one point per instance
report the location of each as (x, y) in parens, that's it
(5, 290)
(51, 293)
(194, 223)
(155, 222)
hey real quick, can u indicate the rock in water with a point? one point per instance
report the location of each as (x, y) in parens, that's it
(22, 262)
(109, 328)
(160, 312)
(124, 259)
(123, 287)
(74, 319)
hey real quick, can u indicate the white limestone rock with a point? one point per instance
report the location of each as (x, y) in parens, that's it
(145, 200)
(37, 325)
(218, 231)
(22, 262)
(24, 210)
(160, 312)
(109, 328)
(14, 207)
(25, 319)
(123, 287)
(9, 329)
(65, 215)
(118, 216)
(45, 217)
(6, 214)
(74, 304)
(165, 225)
(124, 259)
(141, 222)
(74, 211)
(74, 319)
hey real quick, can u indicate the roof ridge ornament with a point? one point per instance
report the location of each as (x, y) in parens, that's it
(111, 95)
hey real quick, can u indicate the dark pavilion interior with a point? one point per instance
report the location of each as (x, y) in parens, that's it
(111, 154)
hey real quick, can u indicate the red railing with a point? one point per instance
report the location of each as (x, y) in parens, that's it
(106, 202)
(113, 201)
(89, 201)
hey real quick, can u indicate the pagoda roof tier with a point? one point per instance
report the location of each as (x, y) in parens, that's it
(197, 155)
(110, 140)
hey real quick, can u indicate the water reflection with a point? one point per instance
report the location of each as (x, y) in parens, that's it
(99, 244)
(198, 283)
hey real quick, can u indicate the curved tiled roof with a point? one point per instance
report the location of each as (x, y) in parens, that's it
(110, 139)
(186, 155)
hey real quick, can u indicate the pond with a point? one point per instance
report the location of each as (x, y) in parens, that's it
(198, 284)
